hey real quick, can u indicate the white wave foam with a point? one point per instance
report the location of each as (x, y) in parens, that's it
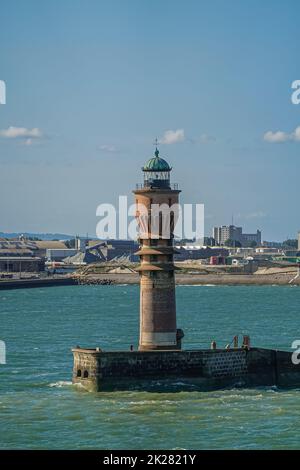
(196, 285)
(60, 383)
(78, 385)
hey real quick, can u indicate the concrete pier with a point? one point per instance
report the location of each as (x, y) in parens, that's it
(200, 369)
(29, 283)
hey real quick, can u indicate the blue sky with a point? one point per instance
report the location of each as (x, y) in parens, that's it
(90, 84)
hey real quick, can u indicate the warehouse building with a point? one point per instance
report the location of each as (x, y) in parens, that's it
(21, 264)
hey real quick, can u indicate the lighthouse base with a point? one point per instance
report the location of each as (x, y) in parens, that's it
(97, 371)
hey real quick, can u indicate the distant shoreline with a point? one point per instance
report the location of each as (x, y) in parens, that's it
(199, 279)
(133, 278)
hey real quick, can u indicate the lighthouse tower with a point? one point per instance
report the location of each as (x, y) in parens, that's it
(158, 329)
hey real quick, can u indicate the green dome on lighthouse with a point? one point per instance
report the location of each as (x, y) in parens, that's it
(157, 163)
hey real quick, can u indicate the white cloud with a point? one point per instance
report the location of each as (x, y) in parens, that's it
(256, 215)
(108, 148)
(206, 139)
(281, 136)
(276, 137)
(20, 132)
(296, 133)
(252, 215)
(172, 137)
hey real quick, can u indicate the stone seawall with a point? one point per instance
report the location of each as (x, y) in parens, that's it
(199, 279)
(205, 369)
(30, 283)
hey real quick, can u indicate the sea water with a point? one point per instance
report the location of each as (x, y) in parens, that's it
(41, 409)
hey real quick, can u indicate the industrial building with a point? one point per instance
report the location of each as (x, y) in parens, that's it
(59, 254)
(186, 252)
(19, 264)
(248, 238)
(231, 232)
(23, 246)
(25, 255)
(115, 249)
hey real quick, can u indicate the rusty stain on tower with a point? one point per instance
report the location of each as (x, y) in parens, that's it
(158, 329)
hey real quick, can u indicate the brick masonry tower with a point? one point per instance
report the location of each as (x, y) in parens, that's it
(158, 329)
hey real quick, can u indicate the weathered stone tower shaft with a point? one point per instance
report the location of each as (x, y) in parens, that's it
(158, 329)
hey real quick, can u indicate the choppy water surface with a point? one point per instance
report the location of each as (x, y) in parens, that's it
(40, 409)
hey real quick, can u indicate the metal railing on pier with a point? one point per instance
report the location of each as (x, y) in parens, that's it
(173, 186)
